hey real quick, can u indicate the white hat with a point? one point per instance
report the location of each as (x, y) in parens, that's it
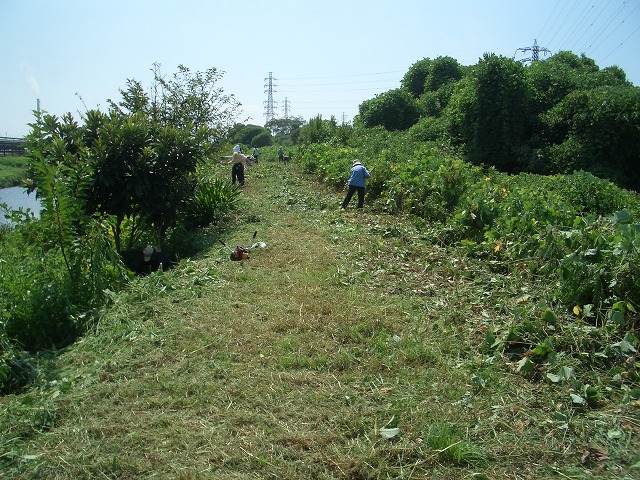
(147, 252)
(356, 162)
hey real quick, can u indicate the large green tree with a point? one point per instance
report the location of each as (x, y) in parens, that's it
(491, 113)
(443, 70)
(597, 130)
(318, 130)
(553, 79)
(140, 157)
(251, 135)
(415, 78)
(187, 100)
(286, 131)
(393, 110)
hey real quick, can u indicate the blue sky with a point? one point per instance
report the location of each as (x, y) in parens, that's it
(326, 56)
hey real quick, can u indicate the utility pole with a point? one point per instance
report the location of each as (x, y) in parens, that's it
(286, 108)
(535, 52)
(269, 104)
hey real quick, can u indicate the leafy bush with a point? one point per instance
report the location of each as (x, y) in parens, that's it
(579, 229)
(211, 199)
(394, 110)
(598, 260)
(430, 128)
(46, 299)
(17, 368)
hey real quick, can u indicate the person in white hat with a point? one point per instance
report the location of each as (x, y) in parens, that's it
(357, 183)
(153, 259)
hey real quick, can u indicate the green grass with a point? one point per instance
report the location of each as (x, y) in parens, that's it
(12, 171)
(288, 365)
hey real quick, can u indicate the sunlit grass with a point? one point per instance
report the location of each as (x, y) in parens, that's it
(289, 364)
(12, 170)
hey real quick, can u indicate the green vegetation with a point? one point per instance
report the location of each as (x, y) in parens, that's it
(137, 175)
(13, 170)
(478, 319)
(353, 346)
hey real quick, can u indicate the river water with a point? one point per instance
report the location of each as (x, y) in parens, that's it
(16, 197)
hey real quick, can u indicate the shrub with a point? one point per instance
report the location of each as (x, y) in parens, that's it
(17, 368)
(211, 199)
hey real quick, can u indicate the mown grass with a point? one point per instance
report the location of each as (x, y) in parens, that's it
(289, 364)
(12, 170)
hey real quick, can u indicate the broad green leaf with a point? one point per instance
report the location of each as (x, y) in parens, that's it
(616, 380)
(577, 399)
(389, 433)
(623, 216)
(615, 434)
(554, 378)
(478, 381)
(592, 393)
(550, 317)
(490, 339)
(624, 346)
(616, 317)
(560, 417)
(525, 366)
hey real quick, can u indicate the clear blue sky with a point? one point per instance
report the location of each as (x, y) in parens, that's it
(326, 56)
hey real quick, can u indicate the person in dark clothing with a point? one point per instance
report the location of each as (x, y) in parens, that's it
(237, 170)
(152, 260)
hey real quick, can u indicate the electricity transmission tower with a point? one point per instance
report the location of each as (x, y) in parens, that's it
(286, 108)
(535, 52)
(269, 104)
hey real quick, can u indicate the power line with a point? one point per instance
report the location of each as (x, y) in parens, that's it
(615, 29)
(561, 22)
(347, 76)
(337, 91)
(578, 28)
(597, 15)
(325, 84)
(604, 28)
(540, 35)
(618, 46)
(569, 31)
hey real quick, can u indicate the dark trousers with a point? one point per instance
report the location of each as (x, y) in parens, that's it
(350, 193)
(237, 173)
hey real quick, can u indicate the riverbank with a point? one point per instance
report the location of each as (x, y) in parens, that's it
(13, 170)
(348, 348)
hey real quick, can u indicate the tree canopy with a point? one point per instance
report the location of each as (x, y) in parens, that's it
(552, 116)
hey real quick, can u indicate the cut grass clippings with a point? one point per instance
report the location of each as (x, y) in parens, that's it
(347, 348)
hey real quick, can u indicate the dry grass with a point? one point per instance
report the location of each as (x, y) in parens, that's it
(287, 365)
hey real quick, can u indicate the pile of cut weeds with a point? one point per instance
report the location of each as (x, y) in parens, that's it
(350, 347)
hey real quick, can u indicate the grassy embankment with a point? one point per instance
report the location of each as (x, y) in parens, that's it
(289, 364)
(12, 171)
